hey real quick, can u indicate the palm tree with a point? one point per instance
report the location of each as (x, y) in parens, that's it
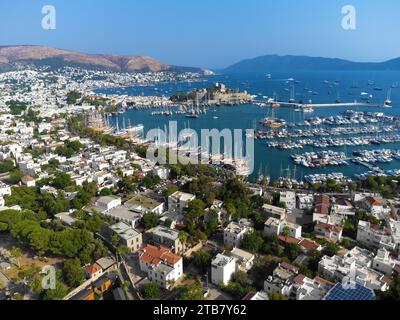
(286, 232)
(183, 236)
(16, 254)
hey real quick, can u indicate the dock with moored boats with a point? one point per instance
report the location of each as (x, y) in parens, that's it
(276, 104)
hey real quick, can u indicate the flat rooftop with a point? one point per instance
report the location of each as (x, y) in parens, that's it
(142, 202)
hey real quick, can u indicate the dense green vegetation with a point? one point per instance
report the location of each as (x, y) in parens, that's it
(16, 107)
(151, 291)
(47, 205)
(73, 97)
(26, 228)
(6, 166)
(238, 286)
(191, 292)
(150, 220)
(388, 187)
(69, 149)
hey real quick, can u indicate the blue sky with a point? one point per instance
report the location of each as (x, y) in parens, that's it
(208, 33)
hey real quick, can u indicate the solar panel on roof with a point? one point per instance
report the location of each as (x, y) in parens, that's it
(340, 292)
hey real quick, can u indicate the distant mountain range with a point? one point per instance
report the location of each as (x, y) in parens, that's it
(12, 56)
(273, 63)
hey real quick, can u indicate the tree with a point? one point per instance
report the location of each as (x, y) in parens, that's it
(331, 249)
(16, 253)
(212, 223)
(252, 241)
(183, 236)
(240, 277)
(202, 259)
(195, 210)
(2, 284)
(167, 223)
(115, 241)
(292, 251)
(393, 294)
(105, 192)
(237, 290)
(62, 180)
(15, 177)
(73, 273)
(192, 292)
(151, 180)
(151, 291)
(286, 232)
(6, 166)
(58, 293)
(150, 220)
(276, 296)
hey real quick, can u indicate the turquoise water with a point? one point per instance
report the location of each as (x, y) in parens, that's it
(276, 162)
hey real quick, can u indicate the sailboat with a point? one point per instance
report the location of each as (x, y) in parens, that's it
(338, 98)
(292, 96)
(388, 101)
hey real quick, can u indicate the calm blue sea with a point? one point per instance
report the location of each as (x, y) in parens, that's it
(345, 85)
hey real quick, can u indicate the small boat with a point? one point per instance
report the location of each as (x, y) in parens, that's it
(388, 101)
(308, 110)
(193, 116)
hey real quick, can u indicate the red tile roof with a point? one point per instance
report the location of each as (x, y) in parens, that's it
(328, 227)
(93, 268)
(299, 279)
(288, 240)
(321, 208)
(289, 266)
(309, 244)
(249, 296)
(322, 199)
(324, 281)
(154, 255)
(374, 201)
(344, 202)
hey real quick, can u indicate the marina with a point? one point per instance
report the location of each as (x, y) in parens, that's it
(281, 132)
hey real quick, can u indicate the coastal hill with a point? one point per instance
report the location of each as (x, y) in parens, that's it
(12, 56)
(271, 63)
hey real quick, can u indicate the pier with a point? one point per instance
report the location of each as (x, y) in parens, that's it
(321, 105)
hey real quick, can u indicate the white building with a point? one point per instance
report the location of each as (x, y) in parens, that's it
(244, 259)
(235, 231)
(222, 268)
(374, 236)
(143, 204)
(275, 227)
(129, 237)
(356, 265)
(178, 201)
(329, 231)
(162, 266)
(289, 199)
(275, 212)
(107, 203)
(28, 181)
(282, 279)
(162, 172)
(384, 263)
(305, 201)
(307, 289)
(5, 190)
